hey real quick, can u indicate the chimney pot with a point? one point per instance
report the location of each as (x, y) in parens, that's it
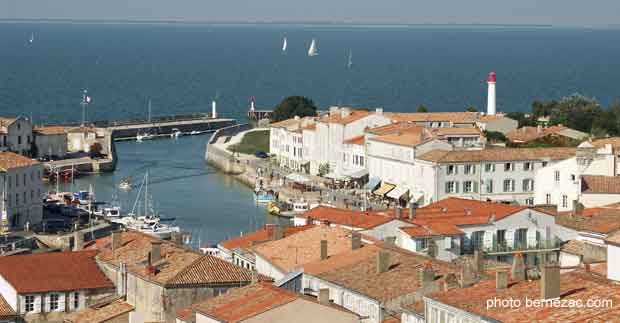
(323, 296)
(518, 267)
(116, 240)
(356, 240)
(383, 261)
(399, 213)
(501, 279)
(155, 251)
(479, 262)
(550, 282)
(78, 241)
(323, 249)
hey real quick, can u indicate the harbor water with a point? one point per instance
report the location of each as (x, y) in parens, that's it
(206, 203)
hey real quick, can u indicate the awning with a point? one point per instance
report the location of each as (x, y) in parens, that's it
(297, 178)
(359, 173)
(398, 192)
(384, 189)
(372, 183)
(338, 177)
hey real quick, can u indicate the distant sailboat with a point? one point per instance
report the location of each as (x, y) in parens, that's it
(313, 51)
(284, 45)
(350, 60)
(31, 39)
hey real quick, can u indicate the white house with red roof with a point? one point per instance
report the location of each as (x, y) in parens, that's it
(16, 135)
(458, 226)
(21, 177)
(47, 286)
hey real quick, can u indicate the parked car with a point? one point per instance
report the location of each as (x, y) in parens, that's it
(261, 154)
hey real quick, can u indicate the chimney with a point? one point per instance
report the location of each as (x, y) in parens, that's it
(399, 213)
(501, 279)
(213, 109)
(383, 261)
(356, 240)
(431, 249)
(78, 241)
(323, 249)
(155, 251)
(539, 129)
(479, 262)
(277, 232)
(323, 296)
(518, 267)
(333, 111)
(345, 112)
(577, 207)
(428, 275)
(491, 80)
(254, 276)
(379, 111)
(412, 211)
(468, 277)
(116, 240)
(550, 281)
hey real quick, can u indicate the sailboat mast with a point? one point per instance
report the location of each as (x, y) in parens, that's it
(146, 193)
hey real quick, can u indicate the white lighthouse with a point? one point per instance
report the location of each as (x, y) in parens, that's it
(213, 109)
(491, 80)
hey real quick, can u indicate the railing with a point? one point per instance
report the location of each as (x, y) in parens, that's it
(525, 247)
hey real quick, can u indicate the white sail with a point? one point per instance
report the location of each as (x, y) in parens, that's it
(350, 61)
(313, 51)
(284, 45)
(31, 40)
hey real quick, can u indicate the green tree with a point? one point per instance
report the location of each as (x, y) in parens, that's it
(422, 108)
(293, 106)
(523, 119)
(494, 136)
(323, 169)
(471, 108)
(577, 112)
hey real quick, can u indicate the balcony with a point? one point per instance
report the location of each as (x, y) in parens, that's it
(547, 245)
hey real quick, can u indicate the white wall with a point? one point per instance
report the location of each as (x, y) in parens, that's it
(266, 268)
(8, 293)
(24, 202)
(613, 262)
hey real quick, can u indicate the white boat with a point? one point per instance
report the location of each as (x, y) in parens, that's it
(31, 39)
(297, 208)
(143, 136)
(350, 60)
(125, 184)
(111, 213)
(176, 133)
(284, 45)
(194, 132)
(313, 50)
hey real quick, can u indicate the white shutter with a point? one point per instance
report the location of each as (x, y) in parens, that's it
(37, 303)
(448, 242)
(488, 239)
(82, 302)
(61, 302)
(531, 237)
(22, 304)
(510, 237)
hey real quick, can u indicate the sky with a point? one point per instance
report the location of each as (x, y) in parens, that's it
(539, 12)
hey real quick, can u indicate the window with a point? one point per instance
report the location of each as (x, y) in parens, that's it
(29, 303)
(477, 240)
(509, 185)
(16, 180)
(509, 167)
(501, 238)
(16, 199)
(529, 201)
(548, 198)
(527, 166)
(421, 244)
(556, 175)
(468, 187)
(528, 185)
(489, 185)
(470, 169)
(544, 164)
(520, 238)
(451, 187)
(76, 300)
(54, 304)
(564, 201)
(451, 169)
(361, 160)
(19, 140)
(489, 168)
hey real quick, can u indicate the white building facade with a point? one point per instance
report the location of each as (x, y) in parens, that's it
(21, 177)
(16, 135)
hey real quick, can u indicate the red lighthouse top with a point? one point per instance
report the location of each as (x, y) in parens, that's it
(491, 78)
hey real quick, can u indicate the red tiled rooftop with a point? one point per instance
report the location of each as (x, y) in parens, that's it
(10, 160)
(351, 218)
(456, 117)
(458, 211)
(498, 154)
(599, 220)
(259, 236)
(50, 130)
(5, 309)
(337, 117)
(55, 271)
(573, 286)
(432, 229)
(597, 184)
(526, 134)
(100, 314)
(359, 140)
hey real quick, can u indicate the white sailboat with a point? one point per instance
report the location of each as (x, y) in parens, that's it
(350, 60)
(31, 39)
(313, 50)
(284, 45)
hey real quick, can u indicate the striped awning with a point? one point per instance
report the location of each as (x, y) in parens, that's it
(398, 192)
(384, 189)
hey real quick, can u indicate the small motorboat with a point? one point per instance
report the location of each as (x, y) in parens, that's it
(194, 132)
(144, 136)
(176, 133)
(110, 213)
(273, 208)
(125, 184)
(264, 196)
(297, 208)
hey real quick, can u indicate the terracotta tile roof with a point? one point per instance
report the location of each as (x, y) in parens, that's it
(432, 229)
(263, 235)
(178, 266)
(613, 141)
(391, 128)
(526, 134)
(598, 220)
(411, 136)
(359, 140)
(573, 286)
(457, 131)
(391, 319)
(498, 154)
(100, 314)
(574, 247)
(10, 160)
(337, 117)
(614, 238)
(344, 259)
(352, 218)
(50, 130)
(458, 211)
(243, 303)
(64, 271)
(310, 127)
(5, 309)
(294, 123)
(455, 117)
(494, 117)
(106, 242)
(416, 307)
(596, 184)
(400, 279)
(304, 247)
(7, 121)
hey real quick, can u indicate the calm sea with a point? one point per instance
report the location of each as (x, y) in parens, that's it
(182, 67)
